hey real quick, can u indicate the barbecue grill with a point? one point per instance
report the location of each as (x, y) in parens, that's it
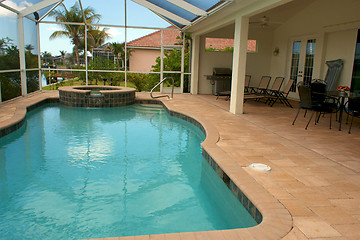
(220, 80)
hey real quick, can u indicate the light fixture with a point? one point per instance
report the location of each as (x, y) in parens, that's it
(276, 51)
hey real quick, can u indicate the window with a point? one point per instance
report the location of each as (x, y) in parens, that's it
(309, 60)
(295, 57)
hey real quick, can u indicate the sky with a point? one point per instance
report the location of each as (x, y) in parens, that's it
(112, 12)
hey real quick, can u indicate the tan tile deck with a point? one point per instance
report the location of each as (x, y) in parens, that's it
(313, 190)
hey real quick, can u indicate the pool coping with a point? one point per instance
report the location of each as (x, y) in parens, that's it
(276, 219)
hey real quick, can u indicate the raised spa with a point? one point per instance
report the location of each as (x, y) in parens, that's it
(96, 96)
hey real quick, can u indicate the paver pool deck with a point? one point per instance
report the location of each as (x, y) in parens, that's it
(313, 190)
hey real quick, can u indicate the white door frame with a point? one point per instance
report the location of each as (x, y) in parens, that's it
(317, 58)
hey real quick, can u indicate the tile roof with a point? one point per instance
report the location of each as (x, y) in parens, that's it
(222, 43)
(170, 38)
(154, 39)
(219, 43)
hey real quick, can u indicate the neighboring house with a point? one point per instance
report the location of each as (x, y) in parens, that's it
(51, 61)
(146, 49)
(103, 52)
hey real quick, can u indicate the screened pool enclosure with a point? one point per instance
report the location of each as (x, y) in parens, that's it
(96, 42)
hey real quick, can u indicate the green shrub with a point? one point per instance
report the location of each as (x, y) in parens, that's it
(143, 82)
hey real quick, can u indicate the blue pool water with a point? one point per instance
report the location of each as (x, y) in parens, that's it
(73, 173)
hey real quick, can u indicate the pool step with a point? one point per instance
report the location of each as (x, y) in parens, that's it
(149, 107)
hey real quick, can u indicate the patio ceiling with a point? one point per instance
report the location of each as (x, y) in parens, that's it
(180, 13)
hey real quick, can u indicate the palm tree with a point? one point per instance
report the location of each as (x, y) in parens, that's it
(74, 32)
(29, 48)
(118, 49)
(63, 53)
(187, 41)
(5, 42)
(45, 54)
(97, 37)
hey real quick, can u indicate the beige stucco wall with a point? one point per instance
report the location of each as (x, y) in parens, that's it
(341, 44)
(141, 60)
(258, 64)
(209, 60)
(333, 23)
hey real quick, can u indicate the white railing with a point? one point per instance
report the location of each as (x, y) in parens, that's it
(172, 89)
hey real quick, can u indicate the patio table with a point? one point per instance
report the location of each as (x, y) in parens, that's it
(341, 96)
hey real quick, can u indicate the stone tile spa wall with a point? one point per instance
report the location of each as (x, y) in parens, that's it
(96, 96)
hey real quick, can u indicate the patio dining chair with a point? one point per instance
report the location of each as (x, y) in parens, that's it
(352, 107)
(306, 103)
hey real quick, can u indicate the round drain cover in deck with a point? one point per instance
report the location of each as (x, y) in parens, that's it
(260, 167)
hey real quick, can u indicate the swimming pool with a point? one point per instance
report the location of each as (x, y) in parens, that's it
(101, 172)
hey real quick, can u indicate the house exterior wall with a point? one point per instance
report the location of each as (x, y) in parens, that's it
(334, 24)
(141, 60)
(258, 64)
(341, 44)
(209, 60)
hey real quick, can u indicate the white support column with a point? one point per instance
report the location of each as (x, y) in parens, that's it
(239, 65)
(39, 55)
(20, 23)
(86, 59)
(182, 63)
(195, 57)
(161, 60)
(125, 43)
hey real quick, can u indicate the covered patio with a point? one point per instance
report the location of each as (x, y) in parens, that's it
(294, 40)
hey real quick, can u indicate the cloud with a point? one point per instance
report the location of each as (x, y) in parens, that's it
(114, 32)
(53, 28)
(7, 13)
